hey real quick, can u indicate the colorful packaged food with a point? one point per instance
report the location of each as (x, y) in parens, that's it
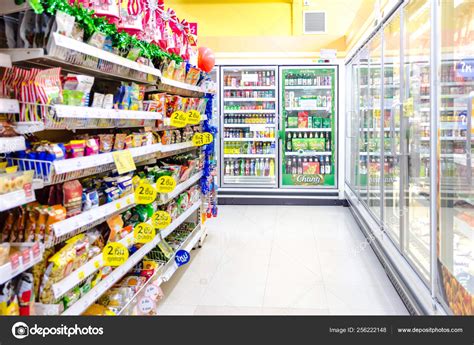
(106, 142)
(72, 197)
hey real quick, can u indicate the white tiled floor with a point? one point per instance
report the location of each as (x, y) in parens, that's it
(282, 260)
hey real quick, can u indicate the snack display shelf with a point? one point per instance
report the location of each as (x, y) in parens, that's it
(250, 155)
(69, 169)
(249, 87)
(178, 88)
(306, 108)
(176, 147)
(28, 255)
(308, 129)
(308, 87)
(12, 144)
(84, 302)
(16, 198)
(166, 271)
(309, 153)
(9, 106)
(250, 180)
(79, 57)
(250, 99)
(250, 139)
(250, 111)
(69, 111)
(81, 273)
(94, 216)
(180, 188)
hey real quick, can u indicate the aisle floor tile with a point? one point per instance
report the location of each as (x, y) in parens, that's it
(282, 260)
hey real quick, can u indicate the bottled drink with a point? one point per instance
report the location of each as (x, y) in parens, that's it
(242, 167)
(288, 166)
(266, 168)
(294, 167)
(318, 166)
(300, 167)
(247, 167)
(272, 167)
(289, 145)
(257, 167)
(236, 167)
(328, 142)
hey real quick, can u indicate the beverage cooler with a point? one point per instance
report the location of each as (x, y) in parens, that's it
(249, 120)
(308, 127)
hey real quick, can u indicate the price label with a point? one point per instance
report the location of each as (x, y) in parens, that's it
(124, 161)
(152, 291)
(144, 193)
(15, 261)
(198, 139)
(146, 305)
(207, 138)
(182, 257)
(143, 233)
(194, 117)
(165, 184)
(25, 254)
(114, 254)
(161, 219)
(179, 119)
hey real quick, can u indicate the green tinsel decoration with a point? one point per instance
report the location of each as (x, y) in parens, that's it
(86, 19)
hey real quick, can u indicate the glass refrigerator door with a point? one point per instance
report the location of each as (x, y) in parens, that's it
(416, 130)
(373, 125)
(456, 229)
(308, 116)
(391, 140)
(363, 109)
(249, 126)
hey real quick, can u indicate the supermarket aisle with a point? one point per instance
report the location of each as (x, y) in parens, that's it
(282, 260)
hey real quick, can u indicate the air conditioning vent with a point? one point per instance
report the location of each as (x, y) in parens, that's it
(314, 22)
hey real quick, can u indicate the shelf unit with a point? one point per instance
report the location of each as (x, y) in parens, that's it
(308, 129)
(251, 139)
(309, 153)
(28, 255)
(89, 298)
(250, 155)
(250, 111)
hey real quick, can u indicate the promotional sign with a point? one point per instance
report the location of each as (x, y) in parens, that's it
(124, 161)
(161, 219)
(144, 193)
(182, 257)
(143, 233)
(179, 119)
(165, 184)
(198, 139)
(194, 117)
(114, 254)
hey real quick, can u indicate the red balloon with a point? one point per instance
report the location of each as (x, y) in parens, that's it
(206, 59)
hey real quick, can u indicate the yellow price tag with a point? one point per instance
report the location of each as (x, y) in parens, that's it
(81, 275)
(194, 117)
(207, 138)
(161, 219)
(96, 264)
(198, 139)
(165, 184)
(179, 119)
(144, 193)
(124, 161)
(143, 233)
(114, 254)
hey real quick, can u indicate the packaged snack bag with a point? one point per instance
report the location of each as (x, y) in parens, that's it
(56, 214)
(25, 292)
(131, 17)
(72, 197)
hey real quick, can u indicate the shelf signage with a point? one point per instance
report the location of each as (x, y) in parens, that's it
(179, 119)
(198, 139)
(194, 117)
(161, 219)
(207, 137)
(146, 305)
(144, 193)
(114, 254)
(124, 161)
(144, 233)
(165, 184)
(465, 68)
(182, 257)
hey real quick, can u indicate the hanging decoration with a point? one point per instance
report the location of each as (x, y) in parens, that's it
(206, 59)
(92, 23)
